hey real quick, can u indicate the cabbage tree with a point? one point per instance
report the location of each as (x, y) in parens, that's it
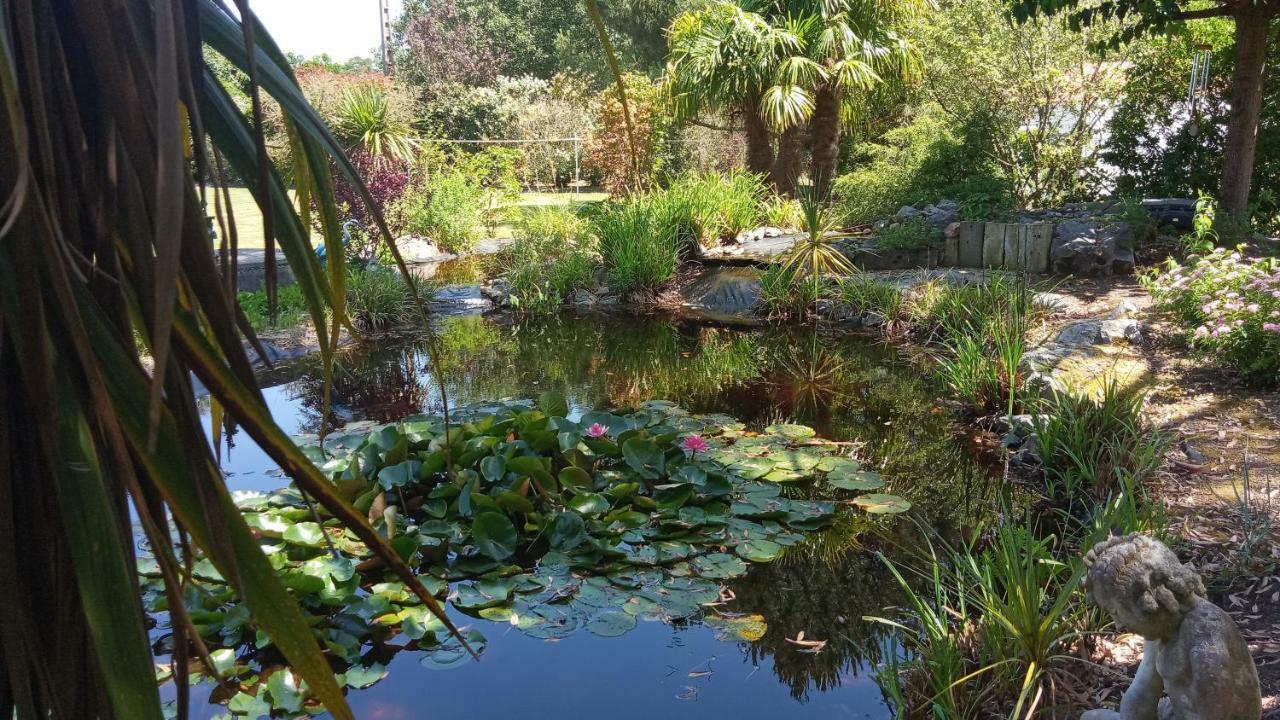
(116, 145)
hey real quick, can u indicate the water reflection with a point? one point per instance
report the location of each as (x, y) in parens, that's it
(848, 388)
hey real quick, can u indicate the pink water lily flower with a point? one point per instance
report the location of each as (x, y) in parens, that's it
(597, 430)
(694, 444)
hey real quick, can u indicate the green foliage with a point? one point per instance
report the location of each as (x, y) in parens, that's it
(783, 294)
(291, 307)
(923, 161)
(1143, 227)
(639, 246)
(553, 255)
(863, 295)
(709, 208)
(781, 212)
(630, 517)
(608, 153)
(1227, 307)
(366, 116)
(1091, 448)
(993, 626)
(446, 208)
(983, 328)
(910, 235)
(378, 299)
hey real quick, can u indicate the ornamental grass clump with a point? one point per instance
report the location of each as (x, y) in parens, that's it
(553, 255)
(640, 252)
(1227, 307)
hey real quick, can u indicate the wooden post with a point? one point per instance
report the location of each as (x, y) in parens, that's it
(970, 250)
(993, 246)
(1039, 245)
(951, 251)
(1012, 247)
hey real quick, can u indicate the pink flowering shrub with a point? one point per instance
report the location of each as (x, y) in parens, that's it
(1229, 307)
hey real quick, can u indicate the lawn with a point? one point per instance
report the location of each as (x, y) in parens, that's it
(249, 220)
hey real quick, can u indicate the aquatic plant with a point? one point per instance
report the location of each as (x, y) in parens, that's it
(378, 299)
(640, 252)
(863, 294)
(552, 256)
(629, 517)
(815, 254)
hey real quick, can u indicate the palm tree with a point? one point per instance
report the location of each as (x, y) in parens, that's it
(790, 69)
(117, 137)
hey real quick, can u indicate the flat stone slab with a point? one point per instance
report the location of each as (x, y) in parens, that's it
(762, 249)
(460, 299)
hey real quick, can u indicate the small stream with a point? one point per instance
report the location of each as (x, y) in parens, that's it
(848, 387)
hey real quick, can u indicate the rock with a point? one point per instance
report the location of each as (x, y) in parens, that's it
(1088, 247)
(952, 232)
(1177, 213)
(906, 213)
(1124, 263)
(724, 291)
(1195, 663)
(582, 297)
(498, 291)
(420, 250)
(940, 216)
(873, 319)
(880, 225)
(461, 298)
(1099, 332)
(1123, 310)
(772, 232)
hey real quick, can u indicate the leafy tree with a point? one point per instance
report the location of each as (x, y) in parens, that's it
(109, 147)
(1040, 91)
(1253, 21)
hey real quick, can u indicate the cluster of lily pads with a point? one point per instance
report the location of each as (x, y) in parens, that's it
(519, 514)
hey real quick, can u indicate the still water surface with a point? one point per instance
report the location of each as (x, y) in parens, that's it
(848, 388)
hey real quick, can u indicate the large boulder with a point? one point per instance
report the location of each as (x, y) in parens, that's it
(724, 293)
(1091, 247)
(941, 215)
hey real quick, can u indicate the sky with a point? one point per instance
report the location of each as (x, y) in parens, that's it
(341, 28)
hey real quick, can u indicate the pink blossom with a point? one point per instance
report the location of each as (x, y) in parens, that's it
(1271, 327)
(694, 444)
(597, 430)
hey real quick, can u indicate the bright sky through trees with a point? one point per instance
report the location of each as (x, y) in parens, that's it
(341, 28)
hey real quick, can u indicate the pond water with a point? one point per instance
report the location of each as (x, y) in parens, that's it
(848, 388)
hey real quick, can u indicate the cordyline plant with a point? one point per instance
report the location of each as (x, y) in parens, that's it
(114, 141)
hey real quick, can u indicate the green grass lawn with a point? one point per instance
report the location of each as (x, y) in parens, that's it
(249, 220)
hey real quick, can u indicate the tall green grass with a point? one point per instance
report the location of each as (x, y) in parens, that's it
(378, 299)
(705, 209)
(553, 255)
(640, 249)
(863, 294)
(291, 305)
(984, 336)
(1092, 448)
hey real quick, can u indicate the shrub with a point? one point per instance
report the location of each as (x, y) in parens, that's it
(378, 299)
(863, 294)
(291, 307)
(909, 235)
(1227, 307)
(1093, 448)
(985, 327)
(640, 250)
(781, 212)
(783, 294)
(553, 255)
(995, 627)
(924, 160)
(445, 208)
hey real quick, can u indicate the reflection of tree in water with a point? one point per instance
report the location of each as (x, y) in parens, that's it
(824, 600)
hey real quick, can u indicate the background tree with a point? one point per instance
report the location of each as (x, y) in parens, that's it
(1253, 21)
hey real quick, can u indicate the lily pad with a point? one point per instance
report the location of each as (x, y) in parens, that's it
(611, 623)
(882, 504)
(738, 628)
(758, 550)
(857, 480)
(719, 566)
(793, 432)
(494, 535)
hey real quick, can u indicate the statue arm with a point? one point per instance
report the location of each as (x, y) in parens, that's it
(1142, 700)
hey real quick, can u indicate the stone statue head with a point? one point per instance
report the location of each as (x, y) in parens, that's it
(1141, 584)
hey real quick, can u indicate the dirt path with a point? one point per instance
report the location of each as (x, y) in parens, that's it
(1221, 481)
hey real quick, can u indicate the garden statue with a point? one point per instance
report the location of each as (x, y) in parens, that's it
(1195, 664)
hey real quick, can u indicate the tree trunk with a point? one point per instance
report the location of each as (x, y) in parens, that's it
(759, 142)
(1253, 24)
(824, 139)
(786, 166)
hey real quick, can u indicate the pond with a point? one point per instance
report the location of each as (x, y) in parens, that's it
(848, 388)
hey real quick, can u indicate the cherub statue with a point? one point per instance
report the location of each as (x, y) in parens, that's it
(1195, 665)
